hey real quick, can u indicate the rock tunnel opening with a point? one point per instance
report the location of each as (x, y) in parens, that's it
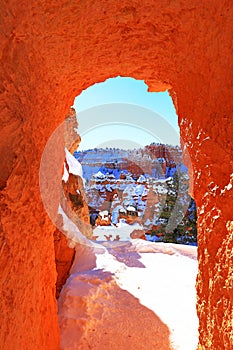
(62, 48)
(137, 146)
(168, 168)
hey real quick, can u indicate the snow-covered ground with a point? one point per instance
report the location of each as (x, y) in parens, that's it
(120, 232)
(130, 295)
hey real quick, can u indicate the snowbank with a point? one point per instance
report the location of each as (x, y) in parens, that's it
(130, 295)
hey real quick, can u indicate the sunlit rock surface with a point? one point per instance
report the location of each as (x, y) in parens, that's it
(50, 52)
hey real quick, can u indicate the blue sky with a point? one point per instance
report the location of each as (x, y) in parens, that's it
(100, 125)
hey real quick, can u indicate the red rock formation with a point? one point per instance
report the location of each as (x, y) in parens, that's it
(73, 197)
(50, 52)
(100, 222)
(64, 257)
(138, 234)
(152, 200)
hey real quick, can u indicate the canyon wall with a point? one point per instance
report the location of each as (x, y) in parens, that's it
(50, 52)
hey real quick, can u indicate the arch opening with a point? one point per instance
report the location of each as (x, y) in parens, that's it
(87, 253)
(154, 163)
(184, 45)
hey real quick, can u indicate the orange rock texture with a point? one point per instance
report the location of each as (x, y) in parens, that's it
(50, 52)
(73, 203)
(64, 257)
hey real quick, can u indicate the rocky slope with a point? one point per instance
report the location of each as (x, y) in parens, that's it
(157, 160)
(146, 186)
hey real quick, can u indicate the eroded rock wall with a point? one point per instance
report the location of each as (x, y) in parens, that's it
(72, 202)
(64, 257)
(50, 52)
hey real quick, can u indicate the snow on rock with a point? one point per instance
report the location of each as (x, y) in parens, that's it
(130, 295)
(130, 208)
(71, 231)
(115, 213)
(104, 215)
(65, 176)
(141, 179)
(108, 187)
(74, 166)
(99, 175)
(229, 186)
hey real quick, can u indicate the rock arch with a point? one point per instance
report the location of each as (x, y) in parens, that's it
(50, 52)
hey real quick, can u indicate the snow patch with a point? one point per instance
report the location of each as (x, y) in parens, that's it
(65, 176)
(72, 232)
(74, 166)
(119, 232)
(99, 175)
(130, 208)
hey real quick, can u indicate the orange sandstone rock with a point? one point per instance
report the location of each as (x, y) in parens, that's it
(50, 52)
(73, 197)
(64, 258)
(138, 234)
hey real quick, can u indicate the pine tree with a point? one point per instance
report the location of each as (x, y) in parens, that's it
(178, 229)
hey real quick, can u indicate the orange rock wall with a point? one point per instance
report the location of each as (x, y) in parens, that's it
(64, 257)
(72, 203)
(50, 52)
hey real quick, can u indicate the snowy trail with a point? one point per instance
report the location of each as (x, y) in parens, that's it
(130, 295)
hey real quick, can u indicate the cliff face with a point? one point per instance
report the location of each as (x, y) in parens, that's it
(154, 159)
(72, 202)
(64, 257)
(50, 52)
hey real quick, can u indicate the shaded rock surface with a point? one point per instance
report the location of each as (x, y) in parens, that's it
(64, 258)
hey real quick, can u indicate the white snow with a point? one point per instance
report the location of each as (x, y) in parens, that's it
(141, 178)
(147, 222)
(72, 232)
(121, 231)
(163, 180)
(130, 208)
(229, 186)
(98, 187)
(74, 166)
(65, 176)
(124, 293)
(99, 175)
(206, 138)
(199, 135)
(135, 295)
(201, 210)
(139, 190)
(108, 187)
(104, 215)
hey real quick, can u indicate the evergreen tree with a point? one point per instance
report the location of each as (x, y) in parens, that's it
(176, 227)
